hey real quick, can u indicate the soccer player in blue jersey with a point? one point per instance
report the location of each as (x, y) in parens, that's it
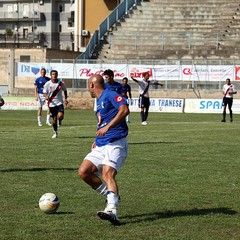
(39, 84)
(126, 92)
(110, 149)
(110, 83)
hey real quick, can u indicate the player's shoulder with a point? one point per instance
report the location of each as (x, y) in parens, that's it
(47, 84)
(118, 84)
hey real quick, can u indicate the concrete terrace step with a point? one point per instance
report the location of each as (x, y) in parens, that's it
(170, 20)
(191, 2)
(171, 14)
(149, 27)
(155, 34)
(176, 29)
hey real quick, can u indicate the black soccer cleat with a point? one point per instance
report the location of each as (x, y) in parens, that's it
(108, 215)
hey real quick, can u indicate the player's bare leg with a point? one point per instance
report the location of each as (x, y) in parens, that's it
(88, 173)
(110, 212)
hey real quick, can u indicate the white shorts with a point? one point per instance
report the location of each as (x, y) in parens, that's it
(41, 100)
(113, 154)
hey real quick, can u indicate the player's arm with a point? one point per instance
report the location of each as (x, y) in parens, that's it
(234, 90)
(65, 96)
(130, 92)
(46, 96)
(134, 79)
(123, 111)
(45, 93)
(157, 83)
(36, 93)
(130, 95)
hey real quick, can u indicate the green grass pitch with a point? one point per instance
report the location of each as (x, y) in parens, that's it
(180, 181)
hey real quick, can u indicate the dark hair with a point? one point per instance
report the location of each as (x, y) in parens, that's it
(125, 78)
(145, 73)
(108, 72)
(52, 71)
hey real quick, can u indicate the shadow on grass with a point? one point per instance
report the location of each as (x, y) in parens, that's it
(145, 143)
(64, 213)
(36, 169)
(172, 214)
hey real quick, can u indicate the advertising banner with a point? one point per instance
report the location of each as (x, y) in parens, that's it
(21, 103)
(160, 105)
(65, 70)
(85, 71)
(157, 72)
(207, 72)
(208, 106)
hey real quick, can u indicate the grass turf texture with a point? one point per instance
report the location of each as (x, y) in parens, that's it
(180, 181)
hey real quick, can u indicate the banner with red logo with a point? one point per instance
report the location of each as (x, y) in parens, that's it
(237, 73)
(207, 72)
(156, 72)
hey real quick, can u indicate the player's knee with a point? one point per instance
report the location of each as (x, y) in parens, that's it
(60, 117)
(108, 176)
(82, 173)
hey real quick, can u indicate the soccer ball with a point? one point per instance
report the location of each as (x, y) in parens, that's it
(49, 203)
(1, 102)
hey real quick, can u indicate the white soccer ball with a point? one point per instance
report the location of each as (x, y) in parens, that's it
(49, 203)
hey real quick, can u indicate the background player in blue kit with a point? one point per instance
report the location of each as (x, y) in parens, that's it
(110, 148)
(110, 83)
(126, 92)
(39, 84)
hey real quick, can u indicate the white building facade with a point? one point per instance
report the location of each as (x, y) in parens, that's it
(54, 24)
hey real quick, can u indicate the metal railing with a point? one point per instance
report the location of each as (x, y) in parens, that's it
(120, 11)
(166, 40)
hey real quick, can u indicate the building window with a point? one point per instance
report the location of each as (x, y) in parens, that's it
(25, 58)
(9, 11)
(60, 8)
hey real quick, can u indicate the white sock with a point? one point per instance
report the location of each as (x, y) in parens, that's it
(39, 119)
(102, 189)
(48, 118)
(112, 202)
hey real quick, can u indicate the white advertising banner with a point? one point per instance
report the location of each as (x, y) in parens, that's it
(160, 105)
(209, 106)
(65, 70)
(207, 72)
(85, 71)
(21, 103)
(157, 72)
(167, 73)
(137, 71)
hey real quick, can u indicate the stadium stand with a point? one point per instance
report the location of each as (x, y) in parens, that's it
(175, 29)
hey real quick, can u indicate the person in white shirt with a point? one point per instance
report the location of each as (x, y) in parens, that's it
(144, 101)
(53, 92)
(228, 91)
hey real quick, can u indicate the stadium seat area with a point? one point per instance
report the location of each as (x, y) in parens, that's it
(176, 29)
